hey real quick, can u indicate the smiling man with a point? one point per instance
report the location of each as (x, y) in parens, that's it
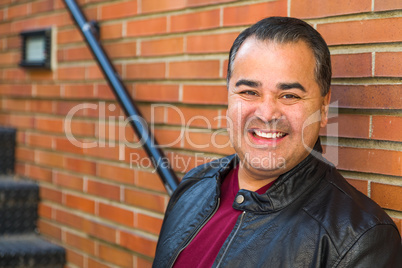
(276, 202)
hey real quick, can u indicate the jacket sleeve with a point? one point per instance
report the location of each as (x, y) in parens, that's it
(378, 247)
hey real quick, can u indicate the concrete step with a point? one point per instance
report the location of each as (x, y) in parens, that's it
(18, 205)
(29, 251)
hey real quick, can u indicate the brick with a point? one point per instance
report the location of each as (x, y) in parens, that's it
(145, 200)
(148, 223)
(42, 6)
(169, 137)
(102, 231)
(49, 229)
(211, 43)
(66, 107)
(195, 21)
(44, 210)
(80, 128)
(64, 145)
(145, 71)
(104, 190)
(15, 74)
(104, 152)
(378, 161)
(78, 91)
(116, 214)
(201, 94)
(97, 264)
(74, 257)
(160, 47)
(381, 5)
(80, 242)
(16, 90)
(70, 219)
(48, 91)
(193, 3)
(351, 65)
(362, 31)
(40, 140)
(80, 165)
(71, 35)
(71, 73)
(77, 54)
(116, 173)
(68, 181)
(156, 92)
(121, 50)
(317, 8)
(387, 128)
(193, 117)
(388, 64)
(115, 256)
(13, 42)
(50, 194)
(367, 96)
(118, 10)
(41, 75)
(208, 142)
(49, 159)
(80, 203)
(148, 180)
(21, 121)
(153, 113)
(15, 105)
(138, 243)
(24, 154)
(104, 92)
(207, 69)
(8, 59)
(41, 106)
(17, 11)
(360, 185)
(111, 31)
(387, 196)
(143, 263)
(39, 173)
(147, 26)
(347, 125)
(54, 125)
(251, 13)
(161, 5)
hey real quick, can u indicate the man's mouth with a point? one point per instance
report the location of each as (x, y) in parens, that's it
(268, 135)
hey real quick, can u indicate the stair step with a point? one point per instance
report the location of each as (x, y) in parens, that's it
(29, 251)
(18, 205)
(7, 152)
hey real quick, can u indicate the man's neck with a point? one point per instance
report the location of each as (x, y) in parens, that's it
(253, 182)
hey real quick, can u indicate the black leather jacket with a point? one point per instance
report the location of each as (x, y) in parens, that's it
(310, 217)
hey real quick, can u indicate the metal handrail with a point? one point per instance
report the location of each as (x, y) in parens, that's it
(139, 125)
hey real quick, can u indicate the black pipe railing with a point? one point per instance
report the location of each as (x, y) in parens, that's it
(139, 125)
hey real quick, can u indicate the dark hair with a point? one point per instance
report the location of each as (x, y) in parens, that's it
(287, 30)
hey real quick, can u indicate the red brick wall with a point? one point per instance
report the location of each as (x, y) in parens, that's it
(174, 52)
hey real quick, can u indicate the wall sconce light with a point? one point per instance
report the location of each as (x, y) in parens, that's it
(38, 49)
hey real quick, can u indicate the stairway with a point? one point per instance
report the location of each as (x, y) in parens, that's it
(20, 244)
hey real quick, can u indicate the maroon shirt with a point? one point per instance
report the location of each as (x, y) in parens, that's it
(203, 249)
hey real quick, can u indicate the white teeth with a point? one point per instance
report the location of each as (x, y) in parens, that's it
(269, 135)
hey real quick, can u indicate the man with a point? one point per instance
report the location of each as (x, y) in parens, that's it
(277, 202)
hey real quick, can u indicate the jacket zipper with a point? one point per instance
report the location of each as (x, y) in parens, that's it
(231, 240)
(195, 234)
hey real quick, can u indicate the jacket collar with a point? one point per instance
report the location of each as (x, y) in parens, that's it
(287, 188)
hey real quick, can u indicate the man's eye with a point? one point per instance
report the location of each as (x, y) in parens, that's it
(290, 96)
(248, 92)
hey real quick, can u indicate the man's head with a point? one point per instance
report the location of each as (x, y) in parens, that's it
(278, 95)
(289, 30)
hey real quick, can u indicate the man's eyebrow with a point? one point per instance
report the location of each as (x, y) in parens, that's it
(249, 83)
(285, 86)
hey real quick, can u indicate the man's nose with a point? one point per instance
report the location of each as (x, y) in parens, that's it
(268, 109)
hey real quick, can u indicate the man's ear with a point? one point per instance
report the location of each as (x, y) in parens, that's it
(325, 109)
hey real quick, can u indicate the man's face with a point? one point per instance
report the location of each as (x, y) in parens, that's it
(275, 106)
